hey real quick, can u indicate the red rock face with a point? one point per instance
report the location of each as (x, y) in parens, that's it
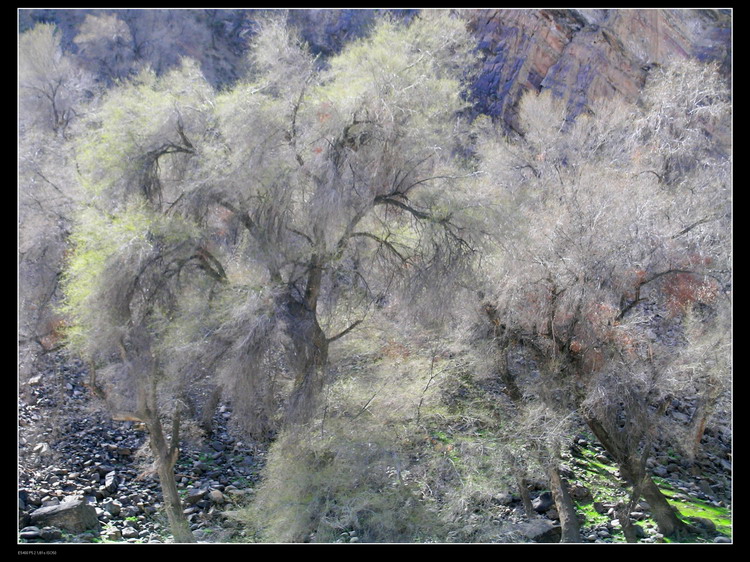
(586, 54)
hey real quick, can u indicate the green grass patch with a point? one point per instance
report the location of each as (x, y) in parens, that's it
(690, 507)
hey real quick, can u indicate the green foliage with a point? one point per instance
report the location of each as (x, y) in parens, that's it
(142, 115)
(98, 244)
(317, 487)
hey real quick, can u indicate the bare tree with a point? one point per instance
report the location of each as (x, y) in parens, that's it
(346, 184)
(53, 93)
(598, 246)
(240, 234)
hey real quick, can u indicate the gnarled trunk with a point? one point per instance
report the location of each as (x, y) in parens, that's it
(166, 455)
(667, 521)
(523, 489)
(311, 357)
(571, 531)
(633, 470)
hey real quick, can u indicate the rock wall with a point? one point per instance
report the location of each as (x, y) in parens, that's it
(586, 54)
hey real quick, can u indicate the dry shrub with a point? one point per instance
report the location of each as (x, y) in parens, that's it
(318, 486)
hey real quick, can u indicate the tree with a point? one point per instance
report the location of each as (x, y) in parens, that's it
(51, 87)
(603, 237)
(131, 260)
(53, 92)
(107, 46)
(346, 183)
(242, 233)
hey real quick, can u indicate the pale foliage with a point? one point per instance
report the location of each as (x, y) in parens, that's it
(607, 237)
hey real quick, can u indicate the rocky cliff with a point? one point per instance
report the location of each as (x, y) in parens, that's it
(585, 54)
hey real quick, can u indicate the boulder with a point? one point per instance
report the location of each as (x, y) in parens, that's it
(504, 498)
(542, 503)
(540, 531)
(74, 515)
(194, 496)
(704, 525)
(31, 532)
(113, 507)
(130, 533)
(51, 534)
(581, 493)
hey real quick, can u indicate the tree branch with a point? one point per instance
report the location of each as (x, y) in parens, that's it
(342, 333)
(697, 223)
(387, 200)
(211, 265)
(382, 242)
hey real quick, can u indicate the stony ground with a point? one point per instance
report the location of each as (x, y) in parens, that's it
(69, 448)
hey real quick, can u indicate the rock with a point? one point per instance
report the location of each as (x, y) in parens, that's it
(51, 534)
(216, 497)
(31, 532)
(130, 511)
(113, 507)
(42, 449)
(75, 516)
(540, 531)
(194, 496)
(111, 482)
(705, 525)
(705, 487)
(104, 469)
(581, 493)
(543, 502)
(503, 498)
(722, 539)
(130, 533)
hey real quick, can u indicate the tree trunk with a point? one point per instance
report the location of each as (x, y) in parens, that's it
(207, 415)
(634, 472)
(311, 349)
(666, 518)
(623, 515)
(571, 532)
(166, 457)
(523, 489)
(703, 411)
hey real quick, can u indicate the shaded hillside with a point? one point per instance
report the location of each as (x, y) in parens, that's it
(579, 54)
